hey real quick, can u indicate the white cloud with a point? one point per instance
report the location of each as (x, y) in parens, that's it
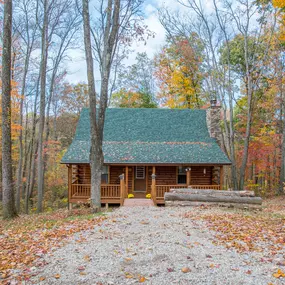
(152, 45)
(77, 67)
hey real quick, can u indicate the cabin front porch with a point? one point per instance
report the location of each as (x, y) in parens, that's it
(118, 181)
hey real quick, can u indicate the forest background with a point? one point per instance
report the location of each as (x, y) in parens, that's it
(233, 51)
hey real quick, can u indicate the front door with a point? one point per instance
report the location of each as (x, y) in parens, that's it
(140, 179)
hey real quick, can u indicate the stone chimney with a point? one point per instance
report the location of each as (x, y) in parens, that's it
(213, 117)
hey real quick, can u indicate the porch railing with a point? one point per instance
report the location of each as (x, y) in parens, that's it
(161, 189)
(108, 191)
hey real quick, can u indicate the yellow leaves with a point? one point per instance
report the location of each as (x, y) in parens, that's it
(278, 274)
(42, 278)
(141, 278)
(128, 275)
(57, 276)
(212, 265)
(279, 3)
(179, 76)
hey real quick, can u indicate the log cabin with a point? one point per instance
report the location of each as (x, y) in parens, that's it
(148, 151)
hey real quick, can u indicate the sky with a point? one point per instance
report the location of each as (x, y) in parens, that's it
(77, 67)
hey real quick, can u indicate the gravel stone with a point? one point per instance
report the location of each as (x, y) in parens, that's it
(151, 245)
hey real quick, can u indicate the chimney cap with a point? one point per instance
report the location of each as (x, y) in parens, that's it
(213, 102)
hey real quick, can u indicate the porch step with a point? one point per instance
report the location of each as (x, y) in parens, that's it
(134, 202)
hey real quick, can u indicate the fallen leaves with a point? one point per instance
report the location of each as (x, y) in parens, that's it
(28, 238)
(81, 268)
(186, 269)
(279, 274)
(87, 258)
(57, 276)
(142, 279)
(128, 275)
(246, 232)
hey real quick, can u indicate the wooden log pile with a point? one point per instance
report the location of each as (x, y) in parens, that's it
(195, 197)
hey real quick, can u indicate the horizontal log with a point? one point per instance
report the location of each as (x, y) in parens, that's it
(171, 196)
(198, 204)
(213, 192)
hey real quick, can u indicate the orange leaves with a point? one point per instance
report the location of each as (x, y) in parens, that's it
(142, 279)
(278, 274)
(186, 269)
(25, 240)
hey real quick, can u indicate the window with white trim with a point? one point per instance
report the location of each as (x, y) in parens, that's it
(181, 175)
(105, 174)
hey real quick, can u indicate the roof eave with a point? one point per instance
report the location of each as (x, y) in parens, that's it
(151, 163)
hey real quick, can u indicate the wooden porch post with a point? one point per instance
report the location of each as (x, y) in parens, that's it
(221, 177)
(122, 188)
(127, 182)
(153, 186)
(188, 176)
(69, 181)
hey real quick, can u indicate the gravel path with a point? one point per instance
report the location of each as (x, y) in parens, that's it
(151, 245)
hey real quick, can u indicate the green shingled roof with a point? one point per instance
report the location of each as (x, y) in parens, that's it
(149, 136)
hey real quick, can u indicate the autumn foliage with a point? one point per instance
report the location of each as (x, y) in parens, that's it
(179, 73)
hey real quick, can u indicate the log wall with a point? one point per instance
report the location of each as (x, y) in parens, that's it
(83, 174)
(115, 172)
(199, 178)
(165, 175)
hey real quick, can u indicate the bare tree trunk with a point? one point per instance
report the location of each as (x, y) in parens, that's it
(32, 154)
(26, 153)
(109, 39)
(95, 160)
(44, 50)
(282, 168)
(9, 210)
(248, 124)
(19, 183)
(281, 187)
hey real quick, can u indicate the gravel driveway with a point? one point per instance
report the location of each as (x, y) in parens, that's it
(151, 245)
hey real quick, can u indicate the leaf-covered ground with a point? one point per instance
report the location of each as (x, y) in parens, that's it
(147, 245)
(26, 239)
(260, 231)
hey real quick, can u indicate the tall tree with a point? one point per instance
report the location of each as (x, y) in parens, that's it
(43, 71)
(25, 26)
(281, 38)
(9, 210)
(111, 28)
(135, 87)
(179, 71)
(115, 25)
